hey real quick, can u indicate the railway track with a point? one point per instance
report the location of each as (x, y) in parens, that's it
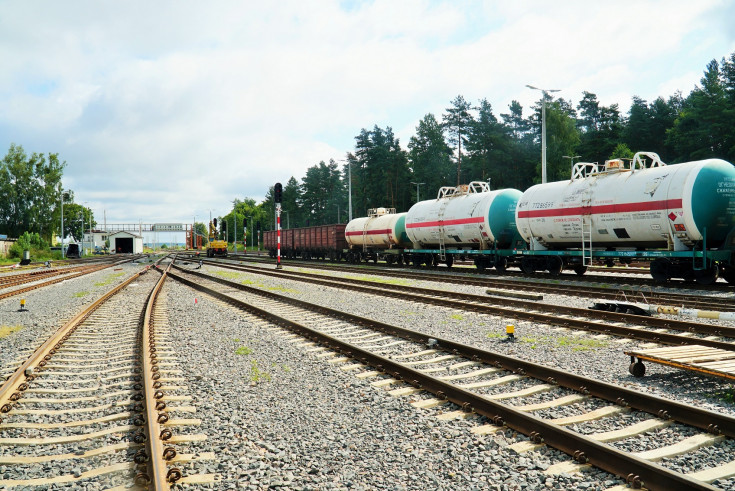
(97, 403)
(502, 390)
(50, 277)
(650, 329)
(630, 291)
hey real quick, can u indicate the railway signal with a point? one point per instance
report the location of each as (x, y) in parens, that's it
(277, 192)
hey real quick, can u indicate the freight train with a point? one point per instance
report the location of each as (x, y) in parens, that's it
(680, 218)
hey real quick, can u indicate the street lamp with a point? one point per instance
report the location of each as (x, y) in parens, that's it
(417, 189)
(349, 187)
(61, 194)
(571, 163)
(545, 93)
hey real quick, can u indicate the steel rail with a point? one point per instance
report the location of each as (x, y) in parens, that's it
(635, 471)
(706, 420)
(159, 475)
(13, 387)
(519, 309)
(565, 275)
(623, 291)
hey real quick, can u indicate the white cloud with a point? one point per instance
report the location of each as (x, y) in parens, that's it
(164, 108)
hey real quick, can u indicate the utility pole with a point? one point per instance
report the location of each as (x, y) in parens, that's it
(545, 93)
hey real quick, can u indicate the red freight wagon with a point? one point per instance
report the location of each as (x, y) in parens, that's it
(318, 242)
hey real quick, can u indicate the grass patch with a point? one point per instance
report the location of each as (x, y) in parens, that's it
(282, 289)
(727, 396)
(230, 275)
(81, 294)
(243, 350)
(8, 330)
(581, 344)
(258, 375)
(456, 317)
(494, 335)
(109, 279)
(387, 281)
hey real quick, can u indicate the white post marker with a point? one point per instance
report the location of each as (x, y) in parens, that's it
(278, 227)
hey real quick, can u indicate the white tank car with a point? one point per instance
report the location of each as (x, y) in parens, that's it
(383, 228)
(466, 216)
(639, 204)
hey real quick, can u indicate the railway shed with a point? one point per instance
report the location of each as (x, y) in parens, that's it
(126, 243)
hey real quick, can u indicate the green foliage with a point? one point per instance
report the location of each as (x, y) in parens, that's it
(621, 152)
(6, 331)
(258, 375)
(27, 242)
(429, 159)
(470, 143)
(243, 351)
(29, 190)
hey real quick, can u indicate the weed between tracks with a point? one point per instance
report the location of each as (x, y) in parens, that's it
(81, 294)
(255, 284)
(109, 279)
(576, 344)
(8, 330)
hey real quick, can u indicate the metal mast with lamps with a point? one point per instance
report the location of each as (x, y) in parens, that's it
(417, 189)
(545, 92)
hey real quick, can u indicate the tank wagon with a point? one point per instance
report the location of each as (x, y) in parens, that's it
(680, 217)
(464, 221)
(318, 242)
(380, 235)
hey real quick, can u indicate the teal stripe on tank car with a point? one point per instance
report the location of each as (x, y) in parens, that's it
(502, 216)
(401, 232)
(713, 201)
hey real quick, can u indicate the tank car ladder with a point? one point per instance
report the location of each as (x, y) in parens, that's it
(442, 245)
(586, 216)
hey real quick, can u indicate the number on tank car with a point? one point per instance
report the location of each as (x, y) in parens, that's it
(543, 205)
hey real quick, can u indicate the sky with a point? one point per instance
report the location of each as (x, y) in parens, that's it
(168, 110)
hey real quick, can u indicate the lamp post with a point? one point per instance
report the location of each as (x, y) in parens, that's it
(545, 93)
(61, 195)
(571, 163)
(252, 229)
(417, 189)
(349, 188)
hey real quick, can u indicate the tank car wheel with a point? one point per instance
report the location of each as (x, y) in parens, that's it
(609, 263)
(637, 369)
(527, 265)
(389, 259)
(661, 270)
(449, 261)
(579, 269)
(707, 276)
(554, 264)
(501, 264)
(480, 263)
(400, 260)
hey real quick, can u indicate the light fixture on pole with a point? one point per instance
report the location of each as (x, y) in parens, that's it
(61, 193)
(545, 92)
(417, 189)
(349, 188)
(571, 162)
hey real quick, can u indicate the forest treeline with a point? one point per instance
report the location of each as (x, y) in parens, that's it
(474, 142)
(470, 141)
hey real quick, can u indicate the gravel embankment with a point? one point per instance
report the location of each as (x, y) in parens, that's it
(48, 308)
(581, 353)
(279, 417)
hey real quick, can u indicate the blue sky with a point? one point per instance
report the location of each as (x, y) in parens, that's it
(165, 110)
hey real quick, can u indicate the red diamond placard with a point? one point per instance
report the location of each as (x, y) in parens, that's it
(672, 216)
